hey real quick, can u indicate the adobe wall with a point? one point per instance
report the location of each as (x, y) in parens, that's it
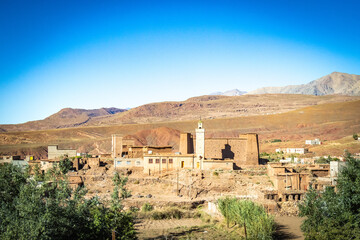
(217, 148)
(186, 143)
(116, 145)
(155, 163)
(252, 149)
(218, 164)
(54, 152)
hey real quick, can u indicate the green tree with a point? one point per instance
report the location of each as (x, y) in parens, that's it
(50, 209)
(65, 165)
(334, 214)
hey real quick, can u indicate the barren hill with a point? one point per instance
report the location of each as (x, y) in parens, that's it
(162, 136)
(67, 117)
(213, 107)
(334, 83)
(328, 121)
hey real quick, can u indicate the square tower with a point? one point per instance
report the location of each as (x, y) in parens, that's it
(116, 145)
(200, 141)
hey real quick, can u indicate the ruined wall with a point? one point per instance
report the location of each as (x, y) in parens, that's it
(218, 164)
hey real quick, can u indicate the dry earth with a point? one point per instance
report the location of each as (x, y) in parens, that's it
(329, 122)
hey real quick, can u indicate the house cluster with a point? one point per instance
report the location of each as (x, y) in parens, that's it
(291, 181)
(195, 152)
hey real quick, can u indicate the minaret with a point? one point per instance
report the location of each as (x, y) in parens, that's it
(200, 141)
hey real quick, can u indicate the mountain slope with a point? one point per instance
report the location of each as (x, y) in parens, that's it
(325, 121)
(334, 83)
(67, 117)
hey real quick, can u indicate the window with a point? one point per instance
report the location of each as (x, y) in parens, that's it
(170, 160)
(118, 162)
(157, 160)
(128, 162)
(137, 162)
(163, 160)
(150, 160)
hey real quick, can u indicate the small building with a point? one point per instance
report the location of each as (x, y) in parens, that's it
(55, 153)
(128, 162)
(315, 141)
(292, 150)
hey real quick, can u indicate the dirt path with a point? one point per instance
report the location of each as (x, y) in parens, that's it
(167, 229)
(289, 227)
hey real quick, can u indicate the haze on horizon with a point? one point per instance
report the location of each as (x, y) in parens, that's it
(93, 54)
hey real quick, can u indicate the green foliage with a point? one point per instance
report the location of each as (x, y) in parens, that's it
(247, 214)
(323, 160)
(215, 173)
(50, 209)
(65, 165)
(275, 140)
(355, 136)
(38, 174)
(147, 207)
(335, 215)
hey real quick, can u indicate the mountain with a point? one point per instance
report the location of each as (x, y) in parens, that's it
(67, 117)
(206, 107)
(327, 121)
(334, 83)
(234, 92)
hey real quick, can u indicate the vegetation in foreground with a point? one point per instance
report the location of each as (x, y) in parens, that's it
(45, 207)
(248, 216)
(335, 214)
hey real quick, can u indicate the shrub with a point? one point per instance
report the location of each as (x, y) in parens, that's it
(355, 136)
(215, 173)
(147, 207)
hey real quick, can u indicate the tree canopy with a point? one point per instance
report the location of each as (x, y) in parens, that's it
(335, 214)
(50, 209)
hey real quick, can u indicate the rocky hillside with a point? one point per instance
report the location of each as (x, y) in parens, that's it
(67, 117)
(334, 83)
(213, 107)
(206, 107)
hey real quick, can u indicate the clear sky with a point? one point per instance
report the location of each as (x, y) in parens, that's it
(93, 54)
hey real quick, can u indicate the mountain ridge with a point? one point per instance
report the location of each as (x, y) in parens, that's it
(334, 83)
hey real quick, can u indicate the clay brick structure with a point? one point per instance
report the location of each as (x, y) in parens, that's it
(120, 146)
(243, 150)
(55, 153)
(209, 154)
(186, 143)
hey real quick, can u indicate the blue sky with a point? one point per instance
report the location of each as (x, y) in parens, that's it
(93, 54)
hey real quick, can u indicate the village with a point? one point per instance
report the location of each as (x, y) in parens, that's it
(202, 171)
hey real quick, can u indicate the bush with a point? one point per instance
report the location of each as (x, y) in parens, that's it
(355, 136)
(147, 207)
(275, 140)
